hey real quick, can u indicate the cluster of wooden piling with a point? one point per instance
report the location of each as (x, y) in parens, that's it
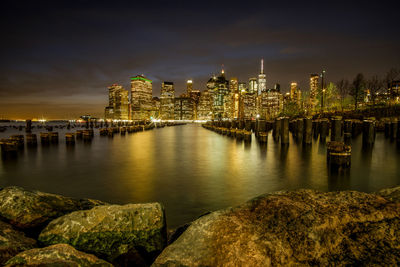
(10, 146)
(110, 131)
(239, 134)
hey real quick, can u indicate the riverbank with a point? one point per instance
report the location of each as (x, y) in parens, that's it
(303, 227)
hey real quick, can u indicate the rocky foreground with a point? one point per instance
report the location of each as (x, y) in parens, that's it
(303, 227)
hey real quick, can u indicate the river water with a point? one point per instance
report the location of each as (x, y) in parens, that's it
(192, 170)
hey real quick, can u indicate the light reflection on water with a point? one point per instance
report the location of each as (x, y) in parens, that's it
(192, 170)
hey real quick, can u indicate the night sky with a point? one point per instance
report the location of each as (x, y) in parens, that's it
(59, 57)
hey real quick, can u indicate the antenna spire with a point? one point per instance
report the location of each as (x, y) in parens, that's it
(262, 66)
(222, 71)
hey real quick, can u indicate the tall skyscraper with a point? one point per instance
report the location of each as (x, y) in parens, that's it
(118, 103)
(253, 86)
(141, 97)
(167, 101)
(295, 93)
(184, 108)
(262, 82)
(293, 89)
(219, 86)
(233, 103)
(204, 108)
(313, 87)
(189, 86)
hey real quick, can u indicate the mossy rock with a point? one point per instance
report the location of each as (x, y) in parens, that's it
(56, 255)
(113, 232)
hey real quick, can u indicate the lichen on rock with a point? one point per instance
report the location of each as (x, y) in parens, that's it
(56, 255)
(303, 227)
(31, 211)
(127, 233)
(12, 242)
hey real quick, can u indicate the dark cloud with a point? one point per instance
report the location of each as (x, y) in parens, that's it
(65, 51)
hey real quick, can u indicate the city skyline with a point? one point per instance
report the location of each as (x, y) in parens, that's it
(58, 59)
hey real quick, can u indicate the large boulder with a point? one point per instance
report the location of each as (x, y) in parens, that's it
(124, 235)
(392, 194)
(12, 242)
(304, 227)
(56, 255)
(31, 211)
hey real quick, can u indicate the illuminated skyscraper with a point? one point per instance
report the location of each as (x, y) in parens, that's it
(204, 108)
(118, 103)
(141, 97)
(262, 82)
(249, 108)
(313, 87)
(167, 104)
(295, 93)
(243, 87)
(219, 87)
(184, 108)
(293, 89)
(189, 86)
(233, 103)
(270, 104)
(253, 86)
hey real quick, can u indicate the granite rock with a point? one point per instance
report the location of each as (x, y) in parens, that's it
(392, 194)
(303, 227)
(56, 255)
(12, 242)
(121, 234)
(31, 211)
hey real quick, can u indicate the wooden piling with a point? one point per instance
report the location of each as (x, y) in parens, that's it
(323, 130)
(31, 139)
(336, 129)
(70, 138)
(307, 139)
(285, 131)
(368, 132)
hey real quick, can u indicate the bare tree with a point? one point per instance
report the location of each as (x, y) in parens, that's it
(343, 90)
(357, 89)
(391, 75)
(374, 85)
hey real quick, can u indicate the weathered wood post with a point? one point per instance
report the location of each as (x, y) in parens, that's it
(277, 129)
(31, 139)
(28, 127)
(285, 131)
(347, 139)
(347, 126)
(315, 128)
(307, 131)
(241, 125)
(248, 125)
(247, 136)
(323, 130)
(261, 127)
(53, 137)
(299, 129)
(70, 138)
(368, 132)
(44, 138)
(387, 129)
(394, 129)
(336, 129)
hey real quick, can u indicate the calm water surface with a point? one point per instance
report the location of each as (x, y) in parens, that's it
(192, 170)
